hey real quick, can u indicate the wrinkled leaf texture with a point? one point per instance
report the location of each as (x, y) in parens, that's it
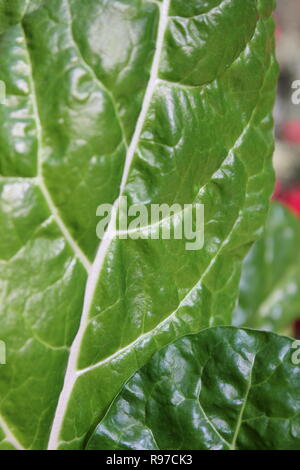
(161, 101)
(224, 388)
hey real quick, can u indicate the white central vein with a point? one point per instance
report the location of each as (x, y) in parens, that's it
(71, 372)
(9, 436)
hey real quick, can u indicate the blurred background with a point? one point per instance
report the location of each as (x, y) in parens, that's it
(287, 113)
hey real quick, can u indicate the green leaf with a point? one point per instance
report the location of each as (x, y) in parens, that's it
(11, 12)
(270, 283)
(7, 441)
(122, 98)
(224, 388)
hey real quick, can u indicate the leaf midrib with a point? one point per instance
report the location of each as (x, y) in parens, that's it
(71, 375)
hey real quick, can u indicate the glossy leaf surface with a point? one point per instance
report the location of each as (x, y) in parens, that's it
(270, 283)
(138, 98)
(223, 388)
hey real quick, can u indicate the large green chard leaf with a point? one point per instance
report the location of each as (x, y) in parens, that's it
(223, 388)
(166, 101)
(270, 283)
